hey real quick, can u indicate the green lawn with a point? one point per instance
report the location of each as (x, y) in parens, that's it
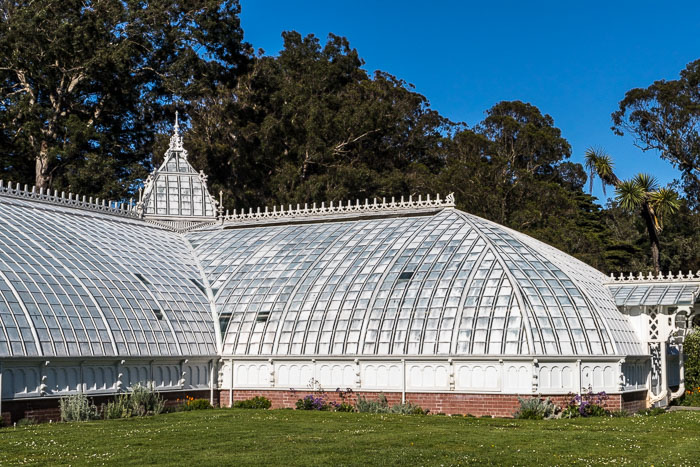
(284, 437)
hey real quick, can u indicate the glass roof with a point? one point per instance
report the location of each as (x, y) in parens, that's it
(446, 284)
(655, 294)
(75, 283)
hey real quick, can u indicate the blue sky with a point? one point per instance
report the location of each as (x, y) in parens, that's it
(573, 60)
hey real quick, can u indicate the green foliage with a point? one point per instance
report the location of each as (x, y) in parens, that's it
(619, 413)
(691, 350)
(344, 407)
(381, 405)
(86, 84)
(77, 408)
(534, 408)
(257, 402)
(652, 412)
(665, 118)
(691, 398)
(120, 407)
(27, 421)
(145, 400)
(197, 404)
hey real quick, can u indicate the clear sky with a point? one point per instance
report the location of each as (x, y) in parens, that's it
(573, 60)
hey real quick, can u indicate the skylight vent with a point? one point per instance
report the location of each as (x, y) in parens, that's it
(406, 275)
(199, 285)
(262, 316)
(158, 313)
(142, 278)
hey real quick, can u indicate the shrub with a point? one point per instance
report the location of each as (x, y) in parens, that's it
(144, 400)
(652, 412)
(312, 402)
(380, 405)
(588, 404)
(619, 413)
(77, 408)
(27, 421)
(535, 408)
(691, 349)
(344, 407)
(196, 404)
(257, 402)
(120, 407)
(408, 408)
(691, 397)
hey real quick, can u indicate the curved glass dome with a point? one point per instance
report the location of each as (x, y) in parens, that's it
(81, 283)
(445, 284)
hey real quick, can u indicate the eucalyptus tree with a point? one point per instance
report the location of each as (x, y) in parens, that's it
(85, 84)
(639, 194)
(665, 117)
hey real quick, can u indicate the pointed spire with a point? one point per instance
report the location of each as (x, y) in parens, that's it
(176, 139)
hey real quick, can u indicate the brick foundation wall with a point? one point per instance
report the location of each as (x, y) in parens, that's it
(47, 409)
(496, 405)
(633, 402)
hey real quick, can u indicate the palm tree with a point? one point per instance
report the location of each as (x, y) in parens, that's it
(641, 194)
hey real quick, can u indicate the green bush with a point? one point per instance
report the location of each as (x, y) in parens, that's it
(257, 402)
(691, 397)
(27, 421)
(652, 412)
(144, 400)
(535, 408)
(77, 408)
(619, 413)
(120, 407)
(380, 405)
(691, 349)
(197, 404)
(344, 407)
(408, 408)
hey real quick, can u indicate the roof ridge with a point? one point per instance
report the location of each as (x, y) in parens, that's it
(117, 208)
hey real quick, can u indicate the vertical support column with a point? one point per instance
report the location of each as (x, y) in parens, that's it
(403, 380)
(621, 375)
(452, 374)
(211, 382)
(230, 389)
(502, 377)
(42, 379)
(535, 376)
(120, 376)
(664, 376)
(579, 378)
(81, 384)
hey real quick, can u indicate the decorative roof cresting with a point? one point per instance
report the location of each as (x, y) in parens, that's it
(340, 211)
(669, 276)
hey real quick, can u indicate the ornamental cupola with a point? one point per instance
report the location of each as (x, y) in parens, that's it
(175, 194)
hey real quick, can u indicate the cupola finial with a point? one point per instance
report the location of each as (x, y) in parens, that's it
(176, 139)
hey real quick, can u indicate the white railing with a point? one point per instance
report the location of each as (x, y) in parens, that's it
(341, 209)
(126, 209)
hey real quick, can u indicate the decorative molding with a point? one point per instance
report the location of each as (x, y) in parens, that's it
(668, 277)
(338, 211)
(123, 209)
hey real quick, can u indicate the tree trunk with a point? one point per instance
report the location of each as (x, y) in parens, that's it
(42, 178)
(653, 236)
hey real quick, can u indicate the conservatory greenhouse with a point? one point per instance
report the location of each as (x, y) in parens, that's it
(411, 298)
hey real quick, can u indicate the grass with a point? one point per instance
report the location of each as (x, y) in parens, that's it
(286, 437)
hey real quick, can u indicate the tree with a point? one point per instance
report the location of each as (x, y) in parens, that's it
(84, 84)
(641, 194)
(665, 117)
(310, 125)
